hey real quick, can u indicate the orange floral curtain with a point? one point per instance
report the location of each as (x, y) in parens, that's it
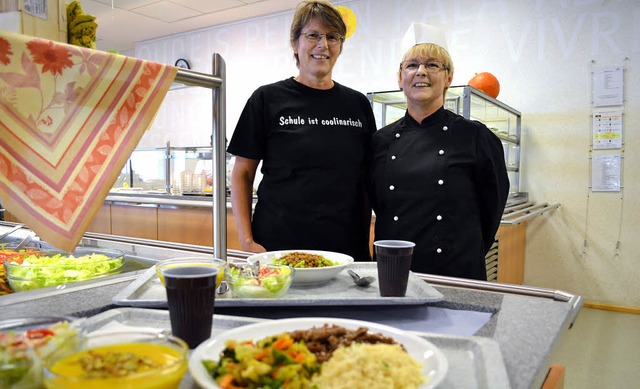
(69, 119)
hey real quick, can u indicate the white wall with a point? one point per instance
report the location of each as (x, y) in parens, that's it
(542, 51)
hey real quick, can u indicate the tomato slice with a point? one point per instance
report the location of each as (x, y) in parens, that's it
(39, 333)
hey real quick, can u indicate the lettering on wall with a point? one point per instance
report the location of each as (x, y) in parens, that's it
(483, 35)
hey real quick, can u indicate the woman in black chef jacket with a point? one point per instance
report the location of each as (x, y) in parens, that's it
(312, 135)
(439, 180)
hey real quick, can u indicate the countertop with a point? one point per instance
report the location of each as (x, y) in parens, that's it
(526, 326)
(526, 322)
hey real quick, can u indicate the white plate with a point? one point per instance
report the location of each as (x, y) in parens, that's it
(308, 276)
(434, 362)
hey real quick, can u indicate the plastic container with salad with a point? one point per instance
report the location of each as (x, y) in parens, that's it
(26, 342)
(54, 267)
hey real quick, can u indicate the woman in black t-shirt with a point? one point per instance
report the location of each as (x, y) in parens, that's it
(312, 136)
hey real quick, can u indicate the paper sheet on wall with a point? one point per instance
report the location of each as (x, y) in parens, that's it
(607, 130)
(605, 173)
(607, 86)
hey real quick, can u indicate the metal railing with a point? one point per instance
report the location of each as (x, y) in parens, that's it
(216, 82)
(525, 211)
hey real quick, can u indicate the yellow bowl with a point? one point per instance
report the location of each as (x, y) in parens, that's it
(156, 361)
(191, 261)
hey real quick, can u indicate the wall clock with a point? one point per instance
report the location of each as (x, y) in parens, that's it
(182, 63)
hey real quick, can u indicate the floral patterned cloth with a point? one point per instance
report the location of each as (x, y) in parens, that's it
(69, 119)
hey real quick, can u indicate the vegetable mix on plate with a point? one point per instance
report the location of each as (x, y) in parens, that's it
(273, 362)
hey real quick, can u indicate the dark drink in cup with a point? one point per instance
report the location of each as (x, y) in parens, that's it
(191, 293)
(393, 259)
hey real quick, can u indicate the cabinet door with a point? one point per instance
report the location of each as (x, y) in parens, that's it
(193, 226)
(102, 221)
(511, 249)
(186, 225)
(137, 221)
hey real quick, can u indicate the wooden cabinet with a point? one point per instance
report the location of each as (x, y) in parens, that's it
(102, 222)
(189, 225)
(193, 226)
(135, 220)
(512, 240)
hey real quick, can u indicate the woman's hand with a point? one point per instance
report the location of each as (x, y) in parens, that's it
(253, 247)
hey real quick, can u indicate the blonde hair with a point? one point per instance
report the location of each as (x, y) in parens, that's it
(322, 11)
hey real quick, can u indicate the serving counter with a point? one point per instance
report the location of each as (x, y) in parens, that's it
(189, 220)
(525, 322)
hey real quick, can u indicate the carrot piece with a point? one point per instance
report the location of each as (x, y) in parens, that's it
(262, 354)
(282, 343)
(226, 382)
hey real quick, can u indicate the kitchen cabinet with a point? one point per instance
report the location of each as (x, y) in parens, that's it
(102, 221)
(472, 104)
(171, 223)
(135, 220)
(193, 225)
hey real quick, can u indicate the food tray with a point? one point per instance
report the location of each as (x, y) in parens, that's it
(147, 292)
(474, 362)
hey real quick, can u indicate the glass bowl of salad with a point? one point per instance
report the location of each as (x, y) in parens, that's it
(126, 359)
(26, 342)
(8, 252)
(252, 280)
(55, 267)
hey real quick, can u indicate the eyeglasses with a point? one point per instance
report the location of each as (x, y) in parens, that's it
(314, 37)
(431, 67)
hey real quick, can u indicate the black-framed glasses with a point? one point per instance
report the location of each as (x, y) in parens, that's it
(314, 37)
(430, 66)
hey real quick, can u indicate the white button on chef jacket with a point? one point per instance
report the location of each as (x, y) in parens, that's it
(395, 218)
(439, 251)
(441, 152)
(439, 217)
(440, 182)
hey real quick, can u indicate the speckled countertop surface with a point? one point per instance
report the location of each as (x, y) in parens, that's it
(525, 327)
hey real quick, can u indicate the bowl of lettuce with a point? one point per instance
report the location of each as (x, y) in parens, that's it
(54, 267)
(268, 281)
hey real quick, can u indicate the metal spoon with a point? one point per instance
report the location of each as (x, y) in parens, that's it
(25, 241)
(223, 288)
(360, 281)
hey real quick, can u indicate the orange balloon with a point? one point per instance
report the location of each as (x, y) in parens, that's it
(349, 19)
(487, 83)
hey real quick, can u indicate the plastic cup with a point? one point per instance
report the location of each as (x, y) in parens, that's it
(394, 263)
(191, 293)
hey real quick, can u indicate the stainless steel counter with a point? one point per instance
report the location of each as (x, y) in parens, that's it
(526, 322)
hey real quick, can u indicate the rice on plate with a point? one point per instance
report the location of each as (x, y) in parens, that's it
(370, 366)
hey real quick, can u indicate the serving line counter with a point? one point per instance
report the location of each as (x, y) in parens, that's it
(525, 322)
